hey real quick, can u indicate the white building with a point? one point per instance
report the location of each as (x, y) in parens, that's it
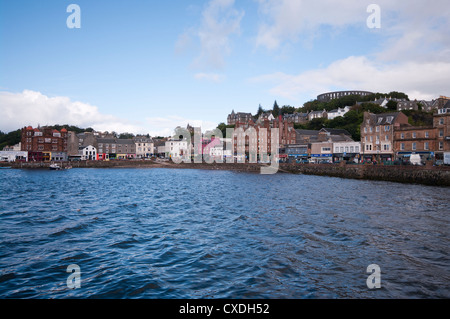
(317, 115)
(339, 112)
(12, 156)
(346, 150)
(179, 149)
(144, 147)
(88, 153)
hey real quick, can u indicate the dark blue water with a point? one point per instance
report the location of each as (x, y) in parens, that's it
(165, 233)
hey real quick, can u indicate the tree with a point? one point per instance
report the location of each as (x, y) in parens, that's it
(260, 111)
(392, 105)
(276, 109)
(223, 127)
(287, 109)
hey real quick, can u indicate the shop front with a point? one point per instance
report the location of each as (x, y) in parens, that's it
(424, 156)
(322, 158)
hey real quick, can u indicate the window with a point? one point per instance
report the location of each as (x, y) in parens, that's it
(40, 140)
(326, 149)
(54, 141)
(441, 133)
(352, 149)
(56, 134)
(414, 134)
(370, 129)
(387, 128)
(427, 135)
(346, 149)
(386, 147)
(342, 149)
(356, 149)
(426, 146)
(441, 146)
(414, 146)
(365, 130)
(441, 121)
(402, 136)
(40, 147)
(402, 146)
(386, 138)
(54, 147)
(37, 133)
(377, 129)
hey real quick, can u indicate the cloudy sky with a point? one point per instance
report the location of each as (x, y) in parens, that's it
(146, 66)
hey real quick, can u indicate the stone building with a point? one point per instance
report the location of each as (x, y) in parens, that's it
(414, 140)
(43, 142)
(377, 135)
(441, 122)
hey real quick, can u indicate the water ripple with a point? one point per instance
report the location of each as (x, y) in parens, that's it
(160, 233)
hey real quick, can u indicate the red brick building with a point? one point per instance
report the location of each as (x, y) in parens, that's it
(44, 143)
(261, 140)
(415, 140)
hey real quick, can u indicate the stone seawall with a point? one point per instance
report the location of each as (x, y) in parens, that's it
(427, 175)
(436, 176)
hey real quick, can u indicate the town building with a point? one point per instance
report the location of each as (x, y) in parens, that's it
(377, 135)
(144, 147)
(317, 115)
(241, 117)
(13, 156)
(348, 151)
(260, 142)
(45, 141)
(441, 122)
(296, 118)
(126, 149)
(177, 149)
(410, 140)
(338, 112)
(88, 153)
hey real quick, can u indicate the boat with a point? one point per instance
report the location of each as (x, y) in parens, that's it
(55, 167)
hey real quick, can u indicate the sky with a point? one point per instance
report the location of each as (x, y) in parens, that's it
(147, 66)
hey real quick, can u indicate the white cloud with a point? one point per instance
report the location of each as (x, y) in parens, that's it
(34, 108)
(413, 48)
(419, 80)
(290, 20)
(220, 21)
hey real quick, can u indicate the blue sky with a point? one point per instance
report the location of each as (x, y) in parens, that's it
(148, 66)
